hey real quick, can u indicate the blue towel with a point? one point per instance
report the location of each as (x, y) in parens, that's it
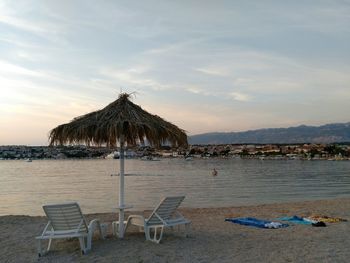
(250, 221)
(296, 220)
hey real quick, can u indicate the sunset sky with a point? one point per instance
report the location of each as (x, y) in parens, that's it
(203, 65)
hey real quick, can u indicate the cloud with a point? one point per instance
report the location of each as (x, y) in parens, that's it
(133, 77)
(21, 20)
(12, 69)
(239, 96)
(203, 91)
(9, 15)
(213, 71)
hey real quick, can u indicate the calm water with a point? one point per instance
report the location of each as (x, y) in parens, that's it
(26, 186)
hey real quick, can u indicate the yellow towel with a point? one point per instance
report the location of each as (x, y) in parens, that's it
(327, 219)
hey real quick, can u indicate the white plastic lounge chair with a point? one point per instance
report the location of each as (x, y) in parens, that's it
(67, 221)
(164, 215)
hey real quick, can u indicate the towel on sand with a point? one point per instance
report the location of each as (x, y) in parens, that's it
(326, 219)
(250, 221)
(297, 220)
(303, 221)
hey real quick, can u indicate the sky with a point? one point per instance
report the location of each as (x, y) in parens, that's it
(203, 65)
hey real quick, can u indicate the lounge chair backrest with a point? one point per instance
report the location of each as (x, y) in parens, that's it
(65, 217)
(165, 210)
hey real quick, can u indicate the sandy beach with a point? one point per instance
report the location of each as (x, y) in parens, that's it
(211, 238)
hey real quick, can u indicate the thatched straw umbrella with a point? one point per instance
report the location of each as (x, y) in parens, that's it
(121, 121)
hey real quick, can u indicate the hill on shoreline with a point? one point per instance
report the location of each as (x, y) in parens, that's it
(329, 133)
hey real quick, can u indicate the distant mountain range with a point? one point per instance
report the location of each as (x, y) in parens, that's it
(329, 133)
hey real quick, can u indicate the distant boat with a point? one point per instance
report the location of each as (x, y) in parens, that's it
(29, 160)
(188, 158)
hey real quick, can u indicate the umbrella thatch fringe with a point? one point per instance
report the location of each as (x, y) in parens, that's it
(121, 119)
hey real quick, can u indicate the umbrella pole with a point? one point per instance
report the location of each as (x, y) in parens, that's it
(121, 189)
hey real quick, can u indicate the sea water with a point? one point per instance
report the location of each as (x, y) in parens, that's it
(26, 186)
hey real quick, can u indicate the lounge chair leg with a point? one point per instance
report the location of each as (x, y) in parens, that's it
(82, 245)
(89, 240)
(155, 235)
(49, 245)
(92, 227)
(161, 234)
(187, 230)
(40, 252)
(155, 239)
(147, 233)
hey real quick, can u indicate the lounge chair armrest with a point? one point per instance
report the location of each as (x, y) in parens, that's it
(93, 225)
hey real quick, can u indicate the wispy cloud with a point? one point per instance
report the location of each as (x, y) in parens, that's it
(239, 96)
(22, 24)
(213, 71)
(133, 77)
(23, 20)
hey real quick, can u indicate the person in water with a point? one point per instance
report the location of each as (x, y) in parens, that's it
(214, 172)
